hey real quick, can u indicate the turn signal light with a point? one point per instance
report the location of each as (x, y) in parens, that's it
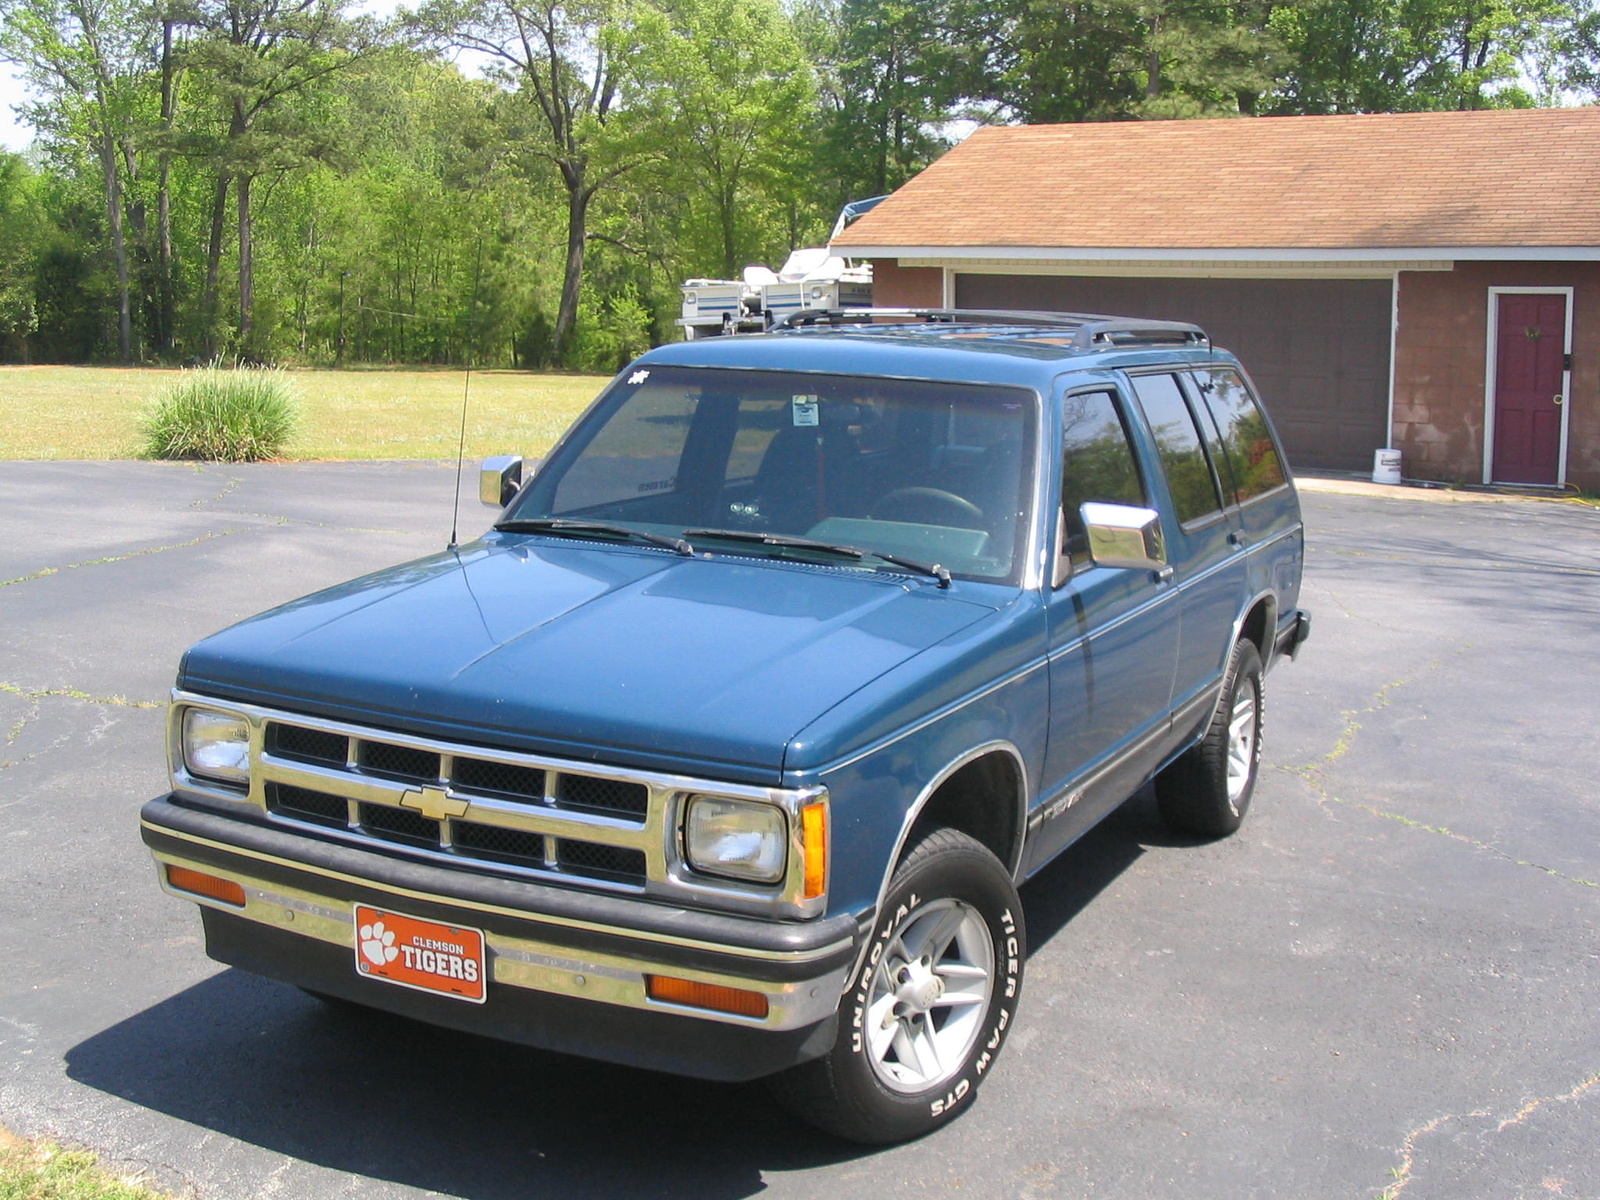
(201, 884)
(705, 995)
(814, 833)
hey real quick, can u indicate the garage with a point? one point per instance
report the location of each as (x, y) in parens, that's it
(1427, 283)
(1318, 349)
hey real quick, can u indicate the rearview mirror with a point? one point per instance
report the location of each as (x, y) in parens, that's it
(1123, 535)
(499, 478)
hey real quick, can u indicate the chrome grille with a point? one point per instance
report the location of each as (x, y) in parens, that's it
(509, 812)
(514, 815)
(604, 795)
(399, 825)
(498, 779)
(398, 762)
(501, 845)
(601, 860)
(306, 805)
(308, 745)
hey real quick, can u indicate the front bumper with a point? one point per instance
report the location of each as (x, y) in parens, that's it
(566, 968)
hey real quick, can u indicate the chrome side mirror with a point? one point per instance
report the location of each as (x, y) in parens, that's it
(499, 478)
(1122, 535)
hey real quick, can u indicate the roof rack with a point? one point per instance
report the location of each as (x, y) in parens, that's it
(1090, 331)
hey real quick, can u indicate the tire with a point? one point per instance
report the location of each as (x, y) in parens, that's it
(1206, 792)
(930, 1006)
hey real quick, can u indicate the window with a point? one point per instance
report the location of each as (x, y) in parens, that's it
(1194, 492)
(929, 471)
(635, 453)
(1097, 464)
(1246, 440)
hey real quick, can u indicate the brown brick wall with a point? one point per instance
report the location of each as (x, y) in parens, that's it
(894, 286)
(1440, 357)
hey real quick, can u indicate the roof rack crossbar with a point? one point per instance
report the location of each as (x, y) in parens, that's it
(1091, 331)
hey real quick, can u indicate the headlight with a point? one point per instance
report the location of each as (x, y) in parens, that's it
(733, 838)
(216, 746)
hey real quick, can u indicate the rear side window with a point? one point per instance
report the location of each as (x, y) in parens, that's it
(1245, 438)
(1097, 463)
(1194, 491)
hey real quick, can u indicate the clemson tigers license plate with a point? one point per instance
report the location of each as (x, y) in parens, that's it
(427, 956)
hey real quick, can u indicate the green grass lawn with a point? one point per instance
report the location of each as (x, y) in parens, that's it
(93, 412)
(43, 1171)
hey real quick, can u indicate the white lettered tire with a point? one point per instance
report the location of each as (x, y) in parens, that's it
(931, 1004)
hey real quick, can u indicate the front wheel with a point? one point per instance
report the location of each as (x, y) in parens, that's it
(1207, 790)
(930, 1006)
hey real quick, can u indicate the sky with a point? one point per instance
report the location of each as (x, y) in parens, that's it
(13, 134)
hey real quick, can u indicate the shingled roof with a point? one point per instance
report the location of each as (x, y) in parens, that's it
(1508, 178)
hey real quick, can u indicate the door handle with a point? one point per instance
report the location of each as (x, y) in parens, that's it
(1238, 540)
(1559, 398)
(1163, 573)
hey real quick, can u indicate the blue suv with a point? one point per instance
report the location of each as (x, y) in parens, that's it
(725, 752)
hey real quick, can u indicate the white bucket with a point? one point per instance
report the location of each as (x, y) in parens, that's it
(1386, 466)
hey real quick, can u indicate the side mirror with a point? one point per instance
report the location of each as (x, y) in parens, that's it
(1121, 535)
(499, 478)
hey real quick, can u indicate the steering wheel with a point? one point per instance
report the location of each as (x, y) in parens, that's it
(928, 506)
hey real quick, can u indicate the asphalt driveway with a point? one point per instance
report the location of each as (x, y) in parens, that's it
(1387, 982)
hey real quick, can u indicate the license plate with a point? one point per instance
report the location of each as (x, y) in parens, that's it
(427, 956)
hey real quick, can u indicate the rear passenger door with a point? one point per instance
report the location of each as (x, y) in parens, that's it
(1203, 536)
(1268, 518)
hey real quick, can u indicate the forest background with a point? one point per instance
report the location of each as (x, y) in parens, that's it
(510, 183)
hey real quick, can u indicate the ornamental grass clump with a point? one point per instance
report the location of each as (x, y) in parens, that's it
(242, 414)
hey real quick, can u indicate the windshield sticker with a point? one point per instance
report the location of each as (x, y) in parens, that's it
(805, 410)
(638, 377)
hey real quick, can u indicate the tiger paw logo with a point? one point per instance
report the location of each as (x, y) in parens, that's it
(377, 944)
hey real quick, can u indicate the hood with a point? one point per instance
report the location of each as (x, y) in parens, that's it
(595, 652)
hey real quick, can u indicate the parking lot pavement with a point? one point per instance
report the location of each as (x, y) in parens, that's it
(1386, 980)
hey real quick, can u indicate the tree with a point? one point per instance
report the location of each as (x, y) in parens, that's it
(733, 97)
(22, 230)
(260, 63)
(1356, 56)
(85, 57)
(562, 59)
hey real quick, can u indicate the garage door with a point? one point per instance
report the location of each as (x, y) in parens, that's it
(1317, 348)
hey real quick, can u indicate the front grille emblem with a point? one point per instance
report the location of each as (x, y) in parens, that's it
(435, 803)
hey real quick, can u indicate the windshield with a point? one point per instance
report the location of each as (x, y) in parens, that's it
(933, 473)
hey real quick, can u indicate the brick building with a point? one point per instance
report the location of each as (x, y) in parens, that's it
(1427, 281)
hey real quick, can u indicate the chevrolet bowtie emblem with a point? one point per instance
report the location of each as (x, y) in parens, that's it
(435, 803)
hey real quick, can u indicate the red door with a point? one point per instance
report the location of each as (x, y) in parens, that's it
(1530, 351)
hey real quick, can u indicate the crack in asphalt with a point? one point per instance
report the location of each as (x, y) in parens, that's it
(75, 694)
(43, 572)
(1408, 1153)
(1315, 775)
(282, 520)
(233, 482)
(1532, 1106)
(14, 733)
(1403, 1174)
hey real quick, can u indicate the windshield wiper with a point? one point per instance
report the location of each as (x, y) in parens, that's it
(784, 541)
(562, 526)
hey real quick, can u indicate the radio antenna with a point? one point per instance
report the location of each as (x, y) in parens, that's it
(466, 389)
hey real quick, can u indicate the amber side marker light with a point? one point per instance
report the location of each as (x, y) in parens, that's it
(705, 995)
(209, 886)
(814, 832)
